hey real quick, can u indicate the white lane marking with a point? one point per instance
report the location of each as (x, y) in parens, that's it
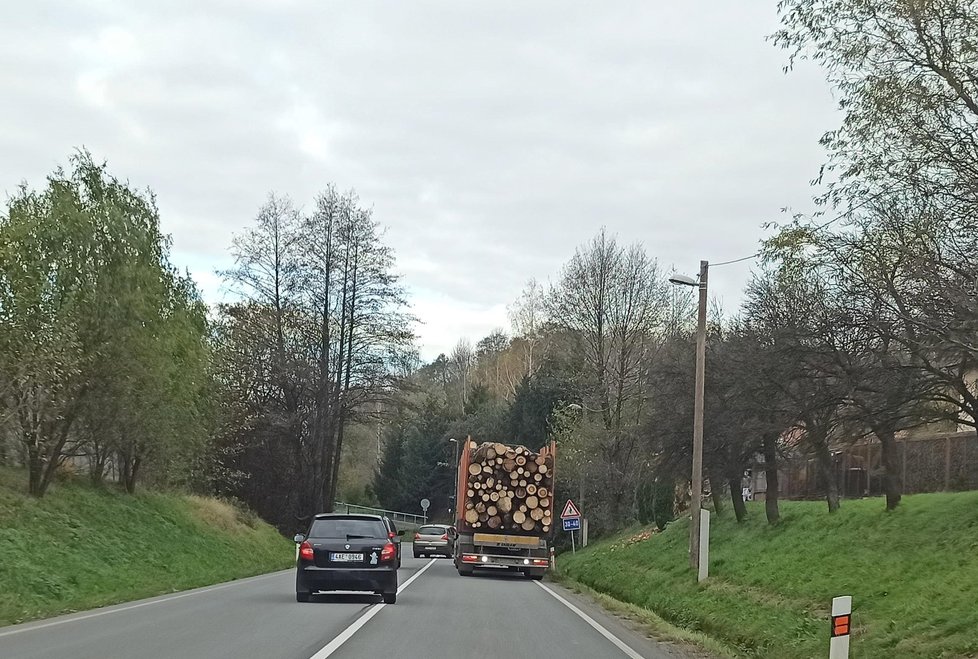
(348, 633)
(630, 653)
(120, 609)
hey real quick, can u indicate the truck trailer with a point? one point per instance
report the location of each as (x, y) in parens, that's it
(505, 508)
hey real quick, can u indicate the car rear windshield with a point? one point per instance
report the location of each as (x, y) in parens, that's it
(341, 528)
(431, 530)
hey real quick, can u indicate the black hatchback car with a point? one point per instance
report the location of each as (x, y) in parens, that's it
(346, 552)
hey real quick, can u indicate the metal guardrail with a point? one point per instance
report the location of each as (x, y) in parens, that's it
(396, 516)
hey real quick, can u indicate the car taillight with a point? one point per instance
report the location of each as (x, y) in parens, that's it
(305, 551)
(417, 536)
(387, 553)
(445, 537)
(391, 535)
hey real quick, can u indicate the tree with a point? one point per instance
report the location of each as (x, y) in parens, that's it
(463, 361)
(526, 316)
(324, 340)
(102, 345)
(611, 302)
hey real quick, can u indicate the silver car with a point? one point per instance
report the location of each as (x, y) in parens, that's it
(434, 539)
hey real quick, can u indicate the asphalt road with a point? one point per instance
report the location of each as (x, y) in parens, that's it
(438, 614)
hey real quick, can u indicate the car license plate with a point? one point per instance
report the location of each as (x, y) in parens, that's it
(345, 558)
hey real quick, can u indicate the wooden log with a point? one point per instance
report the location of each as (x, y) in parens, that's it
(511, 455)
(520, 460)
(529, 525)
(532, 502)
(505, 504)
(486, 469)
(522, 482)
(545, 504)
(509, 464)
(491, 453)
(546, 528)
(523, 508)
(519, 517)
(520, 493)
(531, 489)
(470, 493)
(541, 461)
(494, 522)
(494, 496)
(490, 482)
(531, 467)
(480, 507)
(475, 469)
(499, 461)
(471, 516)
(486, 497)
(500, 449)
(538, 477)
(483, 517)
(492, 511)
(543, 469)
(542, 492)
(469, 505)
(536, 514)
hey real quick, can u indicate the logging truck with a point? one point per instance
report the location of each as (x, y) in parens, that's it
(505, 508)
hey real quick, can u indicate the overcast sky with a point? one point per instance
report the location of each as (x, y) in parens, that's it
(491, 139)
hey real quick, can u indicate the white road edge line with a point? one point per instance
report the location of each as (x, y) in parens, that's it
(348, 633)
(630, 653)
(120, 609)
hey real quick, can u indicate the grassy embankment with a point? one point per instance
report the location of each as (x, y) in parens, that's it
(79, 547)
(912, 573)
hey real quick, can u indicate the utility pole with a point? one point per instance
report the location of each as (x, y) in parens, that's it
(695, 503)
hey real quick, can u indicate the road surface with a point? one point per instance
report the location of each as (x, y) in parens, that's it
(438, 614)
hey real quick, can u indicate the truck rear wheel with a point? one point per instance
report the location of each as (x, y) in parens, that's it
(465, 571)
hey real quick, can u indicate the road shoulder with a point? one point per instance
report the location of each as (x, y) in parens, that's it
(639, 627)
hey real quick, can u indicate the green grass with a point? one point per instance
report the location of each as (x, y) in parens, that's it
(79, 547)
(912, 573)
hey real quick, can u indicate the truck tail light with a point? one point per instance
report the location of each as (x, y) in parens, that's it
(305, 552)
(541, 561)
(470, 558)
(387, 553)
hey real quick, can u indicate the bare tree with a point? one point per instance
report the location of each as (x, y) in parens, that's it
(463, 360)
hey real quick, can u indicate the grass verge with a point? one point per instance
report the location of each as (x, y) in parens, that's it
(79, 548)
(912, 573)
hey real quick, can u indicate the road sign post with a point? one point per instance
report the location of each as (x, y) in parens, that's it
(424, 508)
(571, 518)
(841, 622)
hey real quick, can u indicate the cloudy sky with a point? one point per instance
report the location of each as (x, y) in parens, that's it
(490, 138)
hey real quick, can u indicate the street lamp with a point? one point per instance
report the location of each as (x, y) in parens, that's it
(694, 526)
(455, 485)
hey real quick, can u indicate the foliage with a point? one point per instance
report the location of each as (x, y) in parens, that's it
(103, 347)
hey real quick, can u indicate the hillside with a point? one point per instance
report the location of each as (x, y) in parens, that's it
(79, 547)
(913, 575)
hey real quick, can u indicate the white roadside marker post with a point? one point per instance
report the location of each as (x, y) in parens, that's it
(704, 557)
(841, 620)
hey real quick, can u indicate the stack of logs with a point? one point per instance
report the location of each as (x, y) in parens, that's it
(509, 488)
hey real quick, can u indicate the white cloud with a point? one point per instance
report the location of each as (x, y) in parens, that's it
(491, 139)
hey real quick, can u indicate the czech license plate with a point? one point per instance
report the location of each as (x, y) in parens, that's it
(345, 558)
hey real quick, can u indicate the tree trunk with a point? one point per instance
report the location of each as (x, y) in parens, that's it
(737, 497)
(35, 468)
(824, 458)
(771, 476)
(716, 493)
(892, 481)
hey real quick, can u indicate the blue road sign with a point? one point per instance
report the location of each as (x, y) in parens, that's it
(572, 524)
